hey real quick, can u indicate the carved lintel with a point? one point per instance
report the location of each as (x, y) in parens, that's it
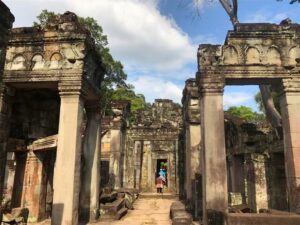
(290, 85)
(213, 84)
(71, 88)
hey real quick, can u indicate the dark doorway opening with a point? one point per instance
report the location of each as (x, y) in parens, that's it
(162, 168)
(104, 171)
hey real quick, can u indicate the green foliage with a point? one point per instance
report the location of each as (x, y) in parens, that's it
(137, 101)
(163, 165)
(113, 87)
(245, 113)
(43, 18)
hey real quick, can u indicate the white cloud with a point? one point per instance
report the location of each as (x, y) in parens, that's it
(207, 39)
(138, 34)
(237, 98)
(263, 16)
(154, 88)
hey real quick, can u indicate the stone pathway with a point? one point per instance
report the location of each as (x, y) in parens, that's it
(148, 210)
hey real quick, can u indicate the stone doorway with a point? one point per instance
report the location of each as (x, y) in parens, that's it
(253, 54)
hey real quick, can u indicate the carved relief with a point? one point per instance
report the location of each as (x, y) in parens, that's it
(230, 55)
(55, 61)
(252, 56)
(294, 54)
(273, 56)
(18, 63)
(37, 62)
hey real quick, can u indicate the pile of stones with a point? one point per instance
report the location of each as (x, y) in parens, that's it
(114, 204)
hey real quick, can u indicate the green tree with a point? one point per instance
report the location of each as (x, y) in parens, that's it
(113, 87)
(137, 100)
(245, 113)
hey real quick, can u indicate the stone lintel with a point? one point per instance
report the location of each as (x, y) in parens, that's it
(47, 143)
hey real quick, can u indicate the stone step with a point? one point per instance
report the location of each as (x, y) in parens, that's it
(168, 195)
(110, 210)
(122, 212)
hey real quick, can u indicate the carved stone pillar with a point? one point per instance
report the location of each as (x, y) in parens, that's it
(213, 153)
(117, 143)
(290, 105)
(257, 189)
(6, 20)
(138, 152)
(35, 187)
(115, 157)
(90, 185)
(68, 159)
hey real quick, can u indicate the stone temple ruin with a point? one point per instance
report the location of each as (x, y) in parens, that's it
(60, 160)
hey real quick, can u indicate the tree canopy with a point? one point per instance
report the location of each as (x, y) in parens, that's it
(245, 113)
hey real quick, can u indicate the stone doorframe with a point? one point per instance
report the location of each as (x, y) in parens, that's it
(252, 54)
(143, 135)
(155, 157)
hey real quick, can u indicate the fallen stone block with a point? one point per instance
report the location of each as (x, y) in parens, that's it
(108, 197)
(182, 218)
(128, 204)
(176, 206)
(109, 210)
(122, 212)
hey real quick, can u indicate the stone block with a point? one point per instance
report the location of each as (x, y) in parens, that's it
(122, 212)
(182, 218)
(108, 197)
(176, 206)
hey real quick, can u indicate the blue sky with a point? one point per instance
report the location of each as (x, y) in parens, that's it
(157, 40)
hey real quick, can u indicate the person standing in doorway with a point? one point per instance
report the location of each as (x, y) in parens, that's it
(159, 184)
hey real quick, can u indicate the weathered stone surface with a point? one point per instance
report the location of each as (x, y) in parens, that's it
(252, 54)
(6, 20)
(152, 139)
(53, 73)
(263, 219)
(192, 133)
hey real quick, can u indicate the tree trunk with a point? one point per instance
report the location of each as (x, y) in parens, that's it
(272, 114)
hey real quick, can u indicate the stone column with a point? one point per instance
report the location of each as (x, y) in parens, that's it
(290, 105)
(213, 154)
(6, 20)
(34, 187)
(67, 166)
(188, 170)
(115, 157)
(137, 163)
(256, 181)
(90, 185)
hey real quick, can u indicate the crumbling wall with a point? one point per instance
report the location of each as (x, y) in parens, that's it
(255, 162)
